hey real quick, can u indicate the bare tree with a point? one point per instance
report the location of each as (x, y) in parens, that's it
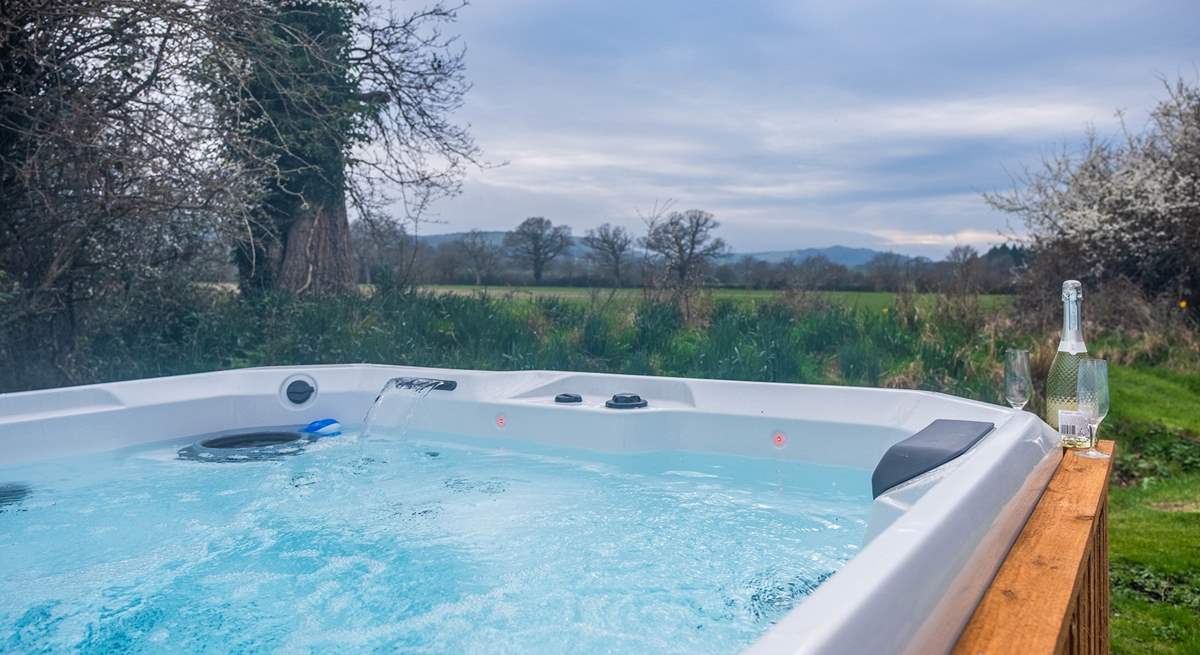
(107, 173)
(966, 270)
(384, 252)
(477, 254)
(536, 242)
(444, 263)
(889, 271)
(685, 243)
(609, 246)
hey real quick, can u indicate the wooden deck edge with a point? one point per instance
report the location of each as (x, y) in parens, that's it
(1051, 593)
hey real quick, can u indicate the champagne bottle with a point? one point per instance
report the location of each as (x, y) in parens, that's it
(1064, 370)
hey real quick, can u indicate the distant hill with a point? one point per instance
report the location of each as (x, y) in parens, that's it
(846, 256)
(850, 257)
(496, 237)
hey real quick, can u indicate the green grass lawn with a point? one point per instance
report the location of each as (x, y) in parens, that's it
(1147, 394)
(870, 300)
(1155, 511)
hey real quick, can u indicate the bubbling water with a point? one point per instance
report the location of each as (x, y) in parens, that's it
(434, 543)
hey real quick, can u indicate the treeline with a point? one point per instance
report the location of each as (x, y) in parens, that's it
(542, 253)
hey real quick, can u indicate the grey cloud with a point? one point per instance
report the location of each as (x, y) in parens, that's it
(798, 124)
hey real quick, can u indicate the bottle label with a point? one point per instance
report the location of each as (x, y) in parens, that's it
(1073, 424)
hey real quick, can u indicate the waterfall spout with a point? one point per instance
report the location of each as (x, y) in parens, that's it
(421, 383)
(398, 400)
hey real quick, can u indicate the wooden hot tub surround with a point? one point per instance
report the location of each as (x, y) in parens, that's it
(1051, 594)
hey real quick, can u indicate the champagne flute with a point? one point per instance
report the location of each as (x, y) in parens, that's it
(1092, 392)
(1018, 385)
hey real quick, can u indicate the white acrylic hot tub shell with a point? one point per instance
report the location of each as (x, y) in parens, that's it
(934, 542)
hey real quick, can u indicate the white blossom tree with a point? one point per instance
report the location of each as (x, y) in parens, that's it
(1127, 209)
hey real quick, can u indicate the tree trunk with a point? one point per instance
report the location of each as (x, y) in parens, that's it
(316, 250)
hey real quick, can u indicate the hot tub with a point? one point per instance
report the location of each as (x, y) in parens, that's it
(530, 511)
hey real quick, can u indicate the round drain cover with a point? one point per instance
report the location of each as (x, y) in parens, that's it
(251, 446)
(251, 440)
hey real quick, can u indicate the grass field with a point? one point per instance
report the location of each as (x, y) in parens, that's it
(1155, 511)
(870, 300)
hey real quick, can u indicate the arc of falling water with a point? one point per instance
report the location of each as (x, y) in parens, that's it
(419, 388)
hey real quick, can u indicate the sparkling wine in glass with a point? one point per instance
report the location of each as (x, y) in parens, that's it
(1092, 393)
(1018, 385)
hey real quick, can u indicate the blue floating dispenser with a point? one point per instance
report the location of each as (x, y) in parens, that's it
(325, 427)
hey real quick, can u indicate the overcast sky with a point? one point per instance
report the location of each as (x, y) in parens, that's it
(799, 124)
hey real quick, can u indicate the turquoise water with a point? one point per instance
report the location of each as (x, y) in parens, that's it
(422, 544)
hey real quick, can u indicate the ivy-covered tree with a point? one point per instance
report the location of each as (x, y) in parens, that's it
(336, 105)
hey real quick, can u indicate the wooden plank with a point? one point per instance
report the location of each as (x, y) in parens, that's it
(1051, 593)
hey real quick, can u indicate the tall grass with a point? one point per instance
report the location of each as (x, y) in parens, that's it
(949, 344)
(785, 339)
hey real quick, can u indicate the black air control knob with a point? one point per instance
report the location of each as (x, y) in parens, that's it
(625, 401)
(568, 398)
(299, 391)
